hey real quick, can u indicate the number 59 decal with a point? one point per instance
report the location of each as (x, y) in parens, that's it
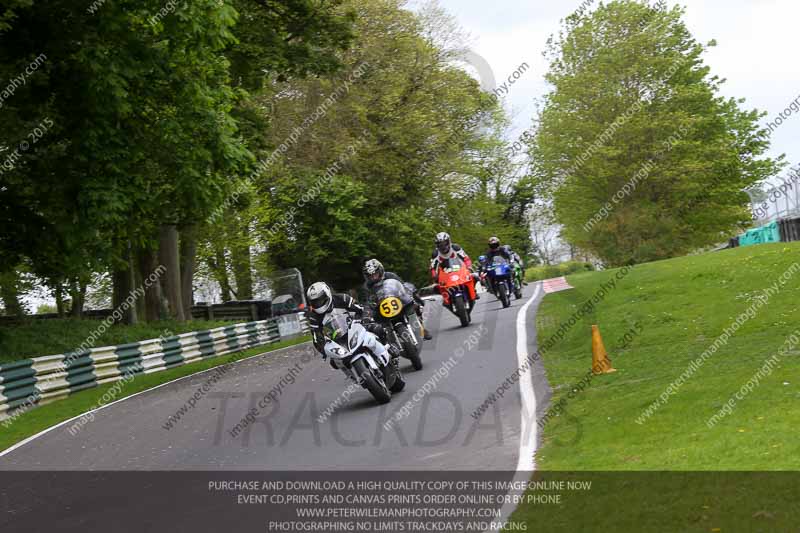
(391, 307)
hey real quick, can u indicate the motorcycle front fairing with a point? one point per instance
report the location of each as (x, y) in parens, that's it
(455, 279)
(499, 270)
(359, 344)
(389, 288)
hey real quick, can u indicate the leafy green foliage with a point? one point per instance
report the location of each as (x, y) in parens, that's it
(159, 116)
(640, 156)
(406, 146)
(555, 271)
(142, 115)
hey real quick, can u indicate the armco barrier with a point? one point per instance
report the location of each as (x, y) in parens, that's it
(44, 379)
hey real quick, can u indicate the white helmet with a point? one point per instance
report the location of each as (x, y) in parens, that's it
(320, 298)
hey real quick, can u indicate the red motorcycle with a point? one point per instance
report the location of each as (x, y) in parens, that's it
(457, 287)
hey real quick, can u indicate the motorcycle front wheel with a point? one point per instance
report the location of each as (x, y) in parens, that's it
(376, 387)
(502, 294)
(410, 348)
(392, 375)
(461, 311)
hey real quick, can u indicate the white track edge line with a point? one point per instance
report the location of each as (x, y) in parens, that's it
(525, 462)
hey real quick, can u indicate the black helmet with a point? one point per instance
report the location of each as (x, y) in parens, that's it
(494, 243)
(443, 242)
(373, 271)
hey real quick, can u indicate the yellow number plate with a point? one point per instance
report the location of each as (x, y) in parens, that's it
(391, 307)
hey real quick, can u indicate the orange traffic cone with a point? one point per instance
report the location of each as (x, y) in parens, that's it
(601, 363)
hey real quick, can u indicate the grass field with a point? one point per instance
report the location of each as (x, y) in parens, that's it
(657, 323)
(35, 338)
(554, 271)
(48, 415)
(672, 311)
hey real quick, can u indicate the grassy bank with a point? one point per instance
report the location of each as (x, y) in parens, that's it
(43, 417)
(554, 271)
(34, 338)
(671, 312)
(656, 323)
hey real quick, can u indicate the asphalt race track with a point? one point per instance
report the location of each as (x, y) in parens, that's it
(129, 462)
(437, 433)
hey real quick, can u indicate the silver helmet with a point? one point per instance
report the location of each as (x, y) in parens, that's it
(320, 297)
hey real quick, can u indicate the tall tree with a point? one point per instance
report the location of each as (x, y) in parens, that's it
(133, 109)
(640, 156)
(375, 159)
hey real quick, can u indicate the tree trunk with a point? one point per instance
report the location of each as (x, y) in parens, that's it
(59, 294)
(238, 234)
(136, 277)
(10, 294)
(124, 282)
(219, 269)
(147, 263)
(188, 255)
(77, 292)
(171, 279)
(240, 257)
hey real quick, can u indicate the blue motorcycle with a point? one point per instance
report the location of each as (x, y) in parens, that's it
(501, 277)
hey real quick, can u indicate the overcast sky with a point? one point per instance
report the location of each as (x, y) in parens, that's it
(755, 44)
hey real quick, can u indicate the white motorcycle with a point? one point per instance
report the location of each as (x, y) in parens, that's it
(361, 356)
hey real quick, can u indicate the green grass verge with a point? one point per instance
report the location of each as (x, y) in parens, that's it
(556, 271)
(674, 310)
(702, 502)
(48, 415)
(34, 338)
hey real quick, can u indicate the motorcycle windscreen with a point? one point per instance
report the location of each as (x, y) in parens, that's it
(500, 266)
(392, 288)
(336, 326)
(452, 265)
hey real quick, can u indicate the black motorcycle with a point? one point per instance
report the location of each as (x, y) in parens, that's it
(394, 310)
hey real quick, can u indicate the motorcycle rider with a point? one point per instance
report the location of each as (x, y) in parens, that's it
(374, 274)
(321, 301)
(515, 258)
(496, 250)
(446, 250)
(483, 264)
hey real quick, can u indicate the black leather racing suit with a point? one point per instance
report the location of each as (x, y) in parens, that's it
(370, 286)
(315, 320)
(491, 254)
